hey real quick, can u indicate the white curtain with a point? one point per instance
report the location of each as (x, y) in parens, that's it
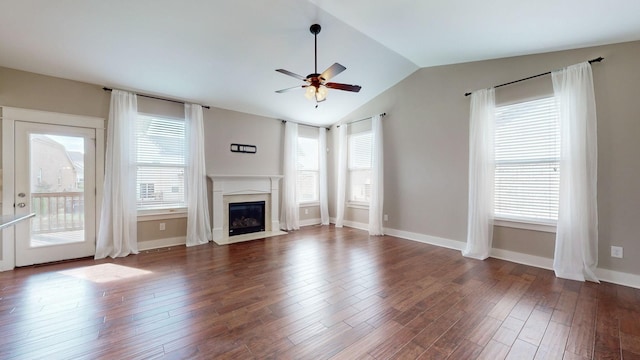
(198, 224)
(576, 253)
(117, 234)
(290, 217)
(322, 158)
(481, 174)
(341, 186)
(377, 178)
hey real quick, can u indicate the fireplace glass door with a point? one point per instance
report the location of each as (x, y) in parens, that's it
(246, 217)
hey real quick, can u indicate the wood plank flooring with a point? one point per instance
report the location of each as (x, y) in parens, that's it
(318, 293)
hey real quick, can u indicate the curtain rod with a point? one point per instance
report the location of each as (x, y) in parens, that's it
(315, 126)
(535, 76)
(355, 121)
(157, 98)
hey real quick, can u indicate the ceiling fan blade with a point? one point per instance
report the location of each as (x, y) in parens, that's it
(291, 88)
(332, 71)
(287, 72)
(345, 87)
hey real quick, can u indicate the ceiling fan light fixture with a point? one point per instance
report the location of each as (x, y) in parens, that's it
(318, 93)
(321, 93)
(310, 93)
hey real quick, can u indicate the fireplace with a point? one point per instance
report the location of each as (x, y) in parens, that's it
(246, 217)
(228, 189)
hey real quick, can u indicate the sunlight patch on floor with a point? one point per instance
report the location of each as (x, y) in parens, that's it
(103, 273)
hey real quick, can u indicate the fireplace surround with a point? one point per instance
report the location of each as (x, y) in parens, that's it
(229, 189)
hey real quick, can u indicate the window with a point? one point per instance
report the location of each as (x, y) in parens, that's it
(147, 191)
(161, 162)
(308, 170)
(360, 167)
(527, 154)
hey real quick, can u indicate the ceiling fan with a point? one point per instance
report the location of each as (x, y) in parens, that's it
(316, 84)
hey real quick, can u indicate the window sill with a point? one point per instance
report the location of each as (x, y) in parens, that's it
(527, 225)
(309, 204)
(358, 205)
(151, 215)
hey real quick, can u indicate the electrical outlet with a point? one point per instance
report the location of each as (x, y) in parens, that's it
(386, 217)
(306, 211)
(162, 227)
(616, 252)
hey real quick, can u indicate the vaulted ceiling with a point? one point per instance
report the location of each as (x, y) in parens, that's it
(224, 53)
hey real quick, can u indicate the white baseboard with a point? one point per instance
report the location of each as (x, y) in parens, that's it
(617, 277)
(352, 224)
(162, 243)
(611, 276)
(427, 239)
(521, 258)
(356, 225)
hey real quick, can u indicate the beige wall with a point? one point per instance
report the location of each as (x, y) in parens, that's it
(222, 127)
(426, 147)
(150, 230)
(426, 143)
(312, 214)
(38, 92)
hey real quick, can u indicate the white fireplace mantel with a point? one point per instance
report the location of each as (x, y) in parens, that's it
(244, 185)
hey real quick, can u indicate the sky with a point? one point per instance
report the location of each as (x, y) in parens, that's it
(71, 143)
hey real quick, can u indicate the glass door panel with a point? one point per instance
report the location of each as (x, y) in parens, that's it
(55, 169)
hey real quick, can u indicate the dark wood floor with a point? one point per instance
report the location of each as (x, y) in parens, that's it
(317, 293)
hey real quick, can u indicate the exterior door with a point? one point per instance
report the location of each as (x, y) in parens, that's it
(55, 179)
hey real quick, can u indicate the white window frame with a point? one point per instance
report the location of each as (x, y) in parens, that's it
(545, 225)
(351, 169)
(169, 212)
(314, 170)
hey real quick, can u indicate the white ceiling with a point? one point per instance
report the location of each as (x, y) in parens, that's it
(224, 53)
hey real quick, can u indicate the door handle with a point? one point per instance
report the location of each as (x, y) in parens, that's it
(22, 205)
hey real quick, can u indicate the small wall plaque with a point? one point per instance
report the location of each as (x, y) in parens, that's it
(242, 148)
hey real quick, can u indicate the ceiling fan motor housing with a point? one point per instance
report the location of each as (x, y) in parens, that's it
(314, 78)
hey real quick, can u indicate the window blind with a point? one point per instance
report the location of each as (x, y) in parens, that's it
(308, 170)
(527, 155)
(161, 162)
(360, 151)
(360, 167)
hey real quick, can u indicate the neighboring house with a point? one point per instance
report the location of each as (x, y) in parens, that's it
(52, 168)
(78, 163)
(160, 184)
